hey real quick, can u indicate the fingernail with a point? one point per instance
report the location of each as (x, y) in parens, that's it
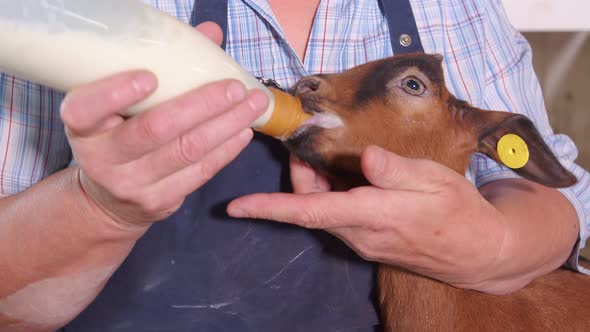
(246, 134)
(144, 82)
(378, 158)
(64, 104)
(258, 100)
(235, 92)
(234, 211)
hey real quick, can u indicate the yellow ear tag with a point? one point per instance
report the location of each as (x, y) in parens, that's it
(513, 151)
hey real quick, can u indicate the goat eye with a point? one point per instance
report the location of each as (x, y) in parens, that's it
(413, 86)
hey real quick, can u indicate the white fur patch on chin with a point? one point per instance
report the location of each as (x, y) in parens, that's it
(324, 120)
(54, 301)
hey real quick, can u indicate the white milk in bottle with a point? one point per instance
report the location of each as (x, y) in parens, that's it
(66, 43)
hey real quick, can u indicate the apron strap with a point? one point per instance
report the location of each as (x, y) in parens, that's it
(400, 18)
(402, 26)
(211, 10)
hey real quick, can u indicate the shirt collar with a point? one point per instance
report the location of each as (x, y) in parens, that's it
(262, 8)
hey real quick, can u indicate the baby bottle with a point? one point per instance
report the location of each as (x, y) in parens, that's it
(66, 43)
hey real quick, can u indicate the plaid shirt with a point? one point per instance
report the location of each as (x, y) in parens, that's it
(487, 63)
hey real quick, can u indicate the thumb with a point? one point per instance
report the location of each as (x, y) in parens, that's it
(305, 179)
(387, 170)
(212, 31)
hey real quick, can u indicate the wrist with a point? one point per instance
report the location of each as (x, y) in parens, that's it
(537, 238)
(96, 209)
(52, 230)
(495, 274)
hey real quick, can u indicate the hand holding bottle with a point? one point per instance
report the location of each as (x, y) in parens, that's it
(138, 170)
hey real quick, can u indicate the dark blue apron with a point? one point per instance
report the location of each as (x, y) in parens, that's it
(203, 271)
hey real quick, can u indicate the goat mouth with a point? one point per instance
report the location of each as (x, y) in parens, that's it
(320, 119)
(302, 144)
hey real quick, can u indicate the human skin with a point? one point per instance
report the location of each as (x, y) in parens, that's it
(90, 230)
(62, 239)
(429, 219)
(524, 230)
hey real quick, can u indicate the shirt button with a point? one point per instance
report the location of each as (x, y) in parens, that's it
(405, 40)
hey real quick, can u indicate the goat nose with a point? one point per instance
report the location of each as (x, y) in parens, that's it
(309, 84)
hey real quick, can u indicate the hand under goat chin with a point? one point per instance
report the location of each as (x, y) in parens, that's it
(401, 104)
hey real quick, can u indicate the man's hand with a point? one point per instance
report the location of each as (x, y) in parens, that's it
(58, 242)
(139, 170)
(416, 214)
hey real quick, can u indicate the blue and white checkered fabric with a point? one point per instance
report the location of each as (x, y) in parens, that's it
(487, 62)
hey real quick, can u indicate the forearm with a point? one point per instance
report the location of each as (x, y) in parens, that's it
(57, 250)
(541, 230)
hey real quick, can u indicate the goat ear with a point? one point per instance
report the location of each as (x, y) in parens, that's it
(512, 140)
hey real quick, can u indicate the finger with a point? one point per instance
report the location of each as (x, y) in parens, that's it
(193, 177)
(387, 170)
(150, 130)
(212, 31)
(368, 243)
(192, 147)
(315, 210)
(305, 179)
(88, 108)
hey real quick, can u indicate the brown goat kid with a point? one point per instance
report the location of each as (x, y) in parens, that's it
(402, 104)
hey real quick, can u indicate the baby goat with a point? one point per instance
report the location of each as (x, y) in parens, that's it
(402, 104)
